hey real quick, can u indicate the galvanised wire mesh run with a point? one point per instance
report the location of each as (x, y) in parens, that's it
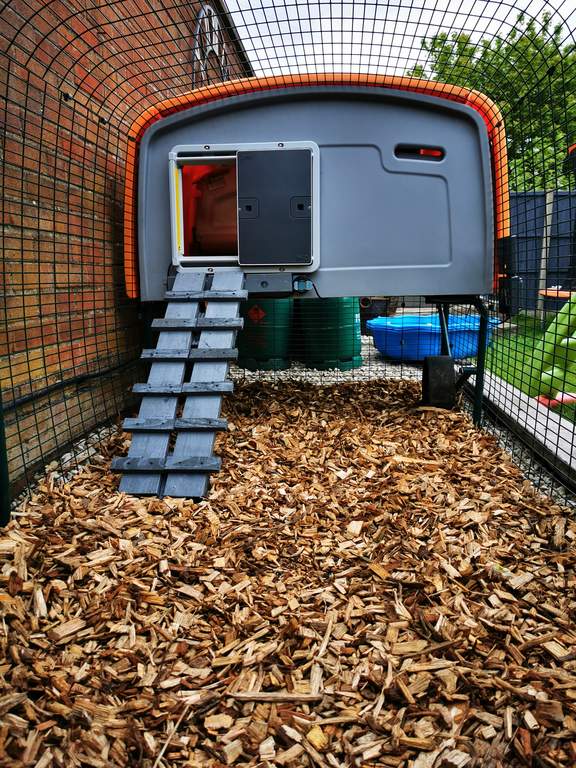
(80, 85)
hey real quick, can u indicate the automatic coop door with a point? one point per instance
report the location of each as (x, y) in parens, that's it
(253, 205)
(274, 207)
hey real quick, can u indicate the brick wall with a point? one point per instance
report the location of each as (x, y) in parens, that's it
(75, 76)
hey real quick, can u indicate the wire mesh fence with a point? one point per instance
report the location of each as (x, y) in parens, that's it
(80, 87)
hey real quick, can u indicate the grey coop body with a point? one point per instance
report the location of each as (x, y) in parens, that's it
(362, 191)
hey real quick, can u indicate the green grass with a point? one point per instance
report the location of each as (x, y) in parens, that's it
(511, 355)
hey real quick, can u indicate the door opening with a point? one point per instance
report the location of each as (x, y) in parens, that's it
(254, 204)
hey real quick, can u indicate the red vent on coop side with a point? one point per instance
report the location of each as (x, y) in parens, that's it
(416, 152)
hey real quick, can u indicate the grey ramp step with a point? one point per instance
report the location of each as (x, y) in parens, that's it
(216, 295)
(156, 444)
(202, 443)
(171, 450)
(172, 425)
(215, 323)
(167, 464)
(189, 388)
(206, 353)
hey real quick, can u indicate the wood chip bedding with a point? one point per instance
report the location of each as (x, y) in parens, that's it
(369, 583)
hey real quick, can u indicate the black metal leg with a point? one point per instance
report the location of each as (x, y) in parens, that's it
(442, 305)
(480, 360)
(443, 315)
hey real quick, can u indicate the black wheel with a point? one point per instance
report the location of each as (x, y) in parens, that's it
(439, 382)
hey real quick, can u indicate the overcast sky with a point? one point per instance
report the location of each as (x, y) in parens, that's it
(378, 37)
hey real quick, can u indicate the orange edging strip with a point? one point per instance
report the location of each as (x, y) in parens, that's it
(482, 104)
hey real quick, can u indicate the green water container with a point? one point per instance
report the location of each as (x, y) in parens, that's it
(297, 342)
(264, 342)
(331, 332)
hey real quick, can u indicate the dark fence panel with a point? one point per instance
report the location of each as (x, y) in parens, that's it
(528, 221)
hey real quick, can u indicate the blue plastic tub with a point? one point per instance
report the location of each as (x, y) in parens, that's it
(414, 337)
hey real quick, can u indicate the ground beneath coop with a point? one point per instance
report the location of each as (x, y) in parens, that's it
(369, 583)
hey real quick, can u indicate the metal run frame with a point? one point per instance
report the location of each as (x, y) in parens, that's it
(4, 479)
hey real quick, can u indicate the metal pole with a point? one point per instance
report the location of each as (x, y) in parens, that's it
(545, 255)
(4, 485)
(480, 360)
(443, 316)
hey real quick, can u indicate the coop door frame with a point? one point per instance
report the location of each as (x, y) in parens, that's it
(202, 154)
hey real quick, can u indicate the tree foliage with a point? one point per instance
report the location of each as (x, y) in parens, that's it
(531, 74)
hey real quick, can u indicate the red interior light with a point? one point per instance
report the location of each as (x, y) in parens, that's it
(430, 152)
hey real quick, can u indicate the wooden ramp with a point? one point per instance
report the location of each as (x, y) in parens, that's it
(173, 440)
